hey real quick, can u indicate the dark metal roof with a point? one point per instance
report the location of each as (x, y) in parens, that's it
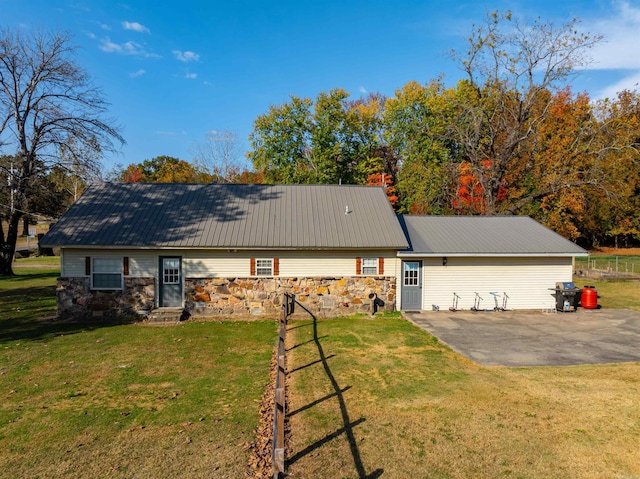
(229, 216)
(483, 235)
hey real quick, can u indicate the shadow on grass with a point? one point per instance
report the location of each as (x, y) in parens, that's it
(28, 313)
(21, 277)
(47, 329)
(347, 424)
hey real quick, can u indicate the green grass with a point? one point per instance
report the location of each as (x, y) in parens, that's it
(107, 400)
(367, 397)
(620, 294)
(383, 398)
(28, 296)
(52, 262)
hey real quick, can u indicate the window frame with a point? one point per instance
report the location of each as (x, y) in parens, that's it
(261, 269)
(111, 270)
(375, 263)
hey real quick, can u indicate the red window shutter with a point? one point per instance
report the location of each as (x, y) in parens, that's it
(87, 265)
(380, 265)
(125, 265)
(276, 267)
(358, 265)
(252, 266)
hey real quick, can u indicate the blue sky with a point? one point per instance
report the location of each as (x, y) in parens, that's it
(172, 71)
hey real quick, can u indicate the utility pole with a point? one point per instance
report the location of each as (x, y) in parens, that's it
(10, 182)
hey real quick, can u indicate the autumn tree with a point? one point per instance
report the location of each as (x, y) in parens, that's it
(386, 182)
(415, 123)
(511, 69)
(366, 149)
(164, 169)
(612, 196)
(46, 100)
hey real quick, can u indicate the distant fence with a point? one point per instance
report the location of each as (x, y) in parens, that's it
(618, 266)
(279, 403)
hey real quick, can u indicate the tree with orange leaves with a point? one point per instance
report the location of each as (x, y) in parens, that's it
(164, 169)
(384, 180)
(512, 69)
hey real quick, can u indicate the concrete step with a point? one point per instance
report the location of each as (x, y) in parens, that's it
(165, 315)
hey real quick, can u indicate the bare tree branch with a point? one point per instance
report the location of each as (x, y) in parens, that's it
(46, 101)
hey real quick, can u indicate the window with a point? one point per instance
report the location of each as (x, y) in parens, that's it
(369, 265)
(106, 273)
(411, 270)
(264, 267)
(170, 270)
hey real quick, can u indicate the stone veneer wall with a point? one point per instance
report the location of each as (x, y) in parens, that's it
(223, 297)
(324, 297)
(75, 299)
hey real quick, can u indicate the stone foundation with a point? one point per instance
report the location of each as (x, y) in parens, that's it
(75, 299)
(323, 297)
(232, 297)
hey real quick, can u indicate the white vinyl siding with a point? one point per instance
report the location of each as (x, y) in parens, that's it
(526, 281)
(328, 265)
(215, 265)
(142, 264)
(223, 264)
(291, 263)
(72, 263)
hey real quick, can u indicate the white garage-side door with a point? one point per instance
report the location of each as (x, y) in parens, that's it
(526, 281)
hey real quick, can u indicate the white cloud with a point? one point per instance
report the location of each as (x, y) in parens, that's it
(127, 48)
(137, 74)
(630, 82)
(108, 46)
(186, 56)
(136, 27)
(104, 26)
(617, 55)
(363, 90)
(191, 76)
(621, 39)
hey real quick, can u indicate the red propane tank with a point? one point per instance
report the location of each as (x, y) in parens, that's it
(589, 298)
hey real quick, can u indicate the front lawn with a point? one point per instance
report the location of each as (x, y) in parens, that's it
(80, 401)
(382, 398)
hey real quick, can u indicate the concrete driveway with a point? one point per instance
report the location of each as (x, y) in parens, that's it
(512, 338)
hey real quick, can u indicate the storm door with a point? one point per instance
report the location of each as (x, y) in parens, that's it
(170, 282)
